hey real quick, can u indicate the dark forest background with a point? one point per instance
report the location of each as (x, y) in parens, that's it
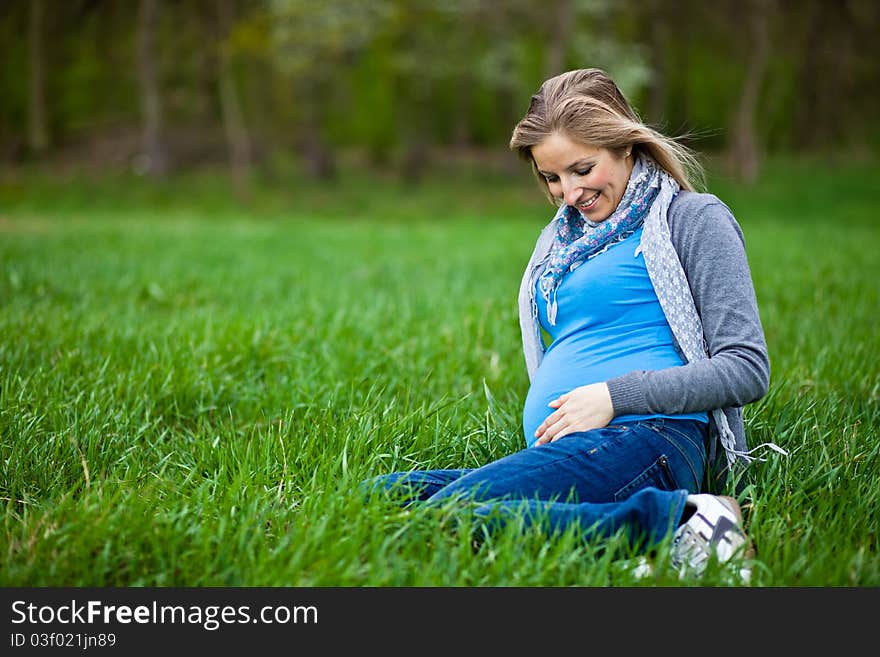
(269, 87)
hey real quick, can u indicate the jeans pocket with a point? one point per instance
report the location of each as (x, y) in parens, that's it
(656, 475)
(686, 442)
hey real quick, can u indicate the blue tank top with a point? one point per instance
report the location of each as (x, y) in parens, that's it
(608, 323)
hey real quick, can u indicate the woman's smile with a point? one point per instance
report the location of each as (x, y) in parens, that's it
(587, 205)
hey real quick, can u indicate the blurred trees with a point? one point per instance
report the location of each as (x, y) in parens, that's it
(743, 148)
(153, 159)
(165, 85)
(38, 138)
(235, 129)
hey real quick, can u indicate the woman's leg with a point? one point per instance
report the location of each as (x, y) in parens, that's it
(412, 486)
(635, 476)
(646, 517)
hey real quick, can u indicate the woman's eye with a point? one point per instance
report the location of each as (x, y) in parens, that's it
(551, 179)
(584, 172)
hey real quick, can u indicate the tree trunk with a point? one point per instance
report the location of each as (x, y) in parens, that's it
(414, 133)
(154, 160)
(38, 134)
(561, 29)
(658, 43)
(415, 158)
(510, 102)
(319, 159)
(237, 139)
(744, 148)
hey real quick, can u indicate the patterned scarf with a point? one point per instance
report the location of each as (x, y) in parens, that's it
(578, 239)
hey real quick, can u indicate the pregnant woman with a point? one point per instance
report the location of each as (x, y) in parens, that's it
(643, 288)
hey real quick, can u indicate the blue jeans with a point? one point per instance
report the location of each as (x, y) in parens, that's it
(632, 476)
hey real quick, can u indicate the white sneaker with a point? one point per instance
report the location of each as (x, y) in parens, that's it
(715, 527)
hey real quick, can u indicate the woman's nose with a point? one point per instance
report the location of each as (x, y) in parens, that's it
(571, 193)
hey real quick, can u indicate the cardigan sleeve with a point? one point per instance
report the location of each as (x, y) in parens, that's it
(711, 247)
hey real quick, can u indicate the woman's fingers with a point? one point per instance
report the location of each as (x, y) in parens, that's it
(551, 419)
(559, 401)
(553, 427)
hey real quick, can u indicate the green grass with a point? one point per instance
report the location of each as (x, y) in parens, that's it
(191, 388)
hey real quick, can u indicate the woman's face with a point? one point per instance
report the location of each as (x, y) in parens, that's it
(591, 179)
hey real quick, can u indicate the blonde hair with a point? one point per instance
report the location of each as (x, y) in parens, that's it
(585, 105)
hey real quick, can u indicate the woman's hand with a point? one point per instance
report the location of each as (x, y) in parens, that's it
(582, 409)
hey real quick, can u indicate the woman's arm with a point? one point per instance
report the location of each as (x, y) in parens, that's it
(711, 247)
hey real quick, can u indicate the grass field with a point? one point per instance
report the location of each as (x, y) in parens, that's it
(193, 388)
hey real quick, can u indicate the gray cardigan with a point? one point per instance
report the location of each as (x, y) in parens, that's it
(710, 245)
